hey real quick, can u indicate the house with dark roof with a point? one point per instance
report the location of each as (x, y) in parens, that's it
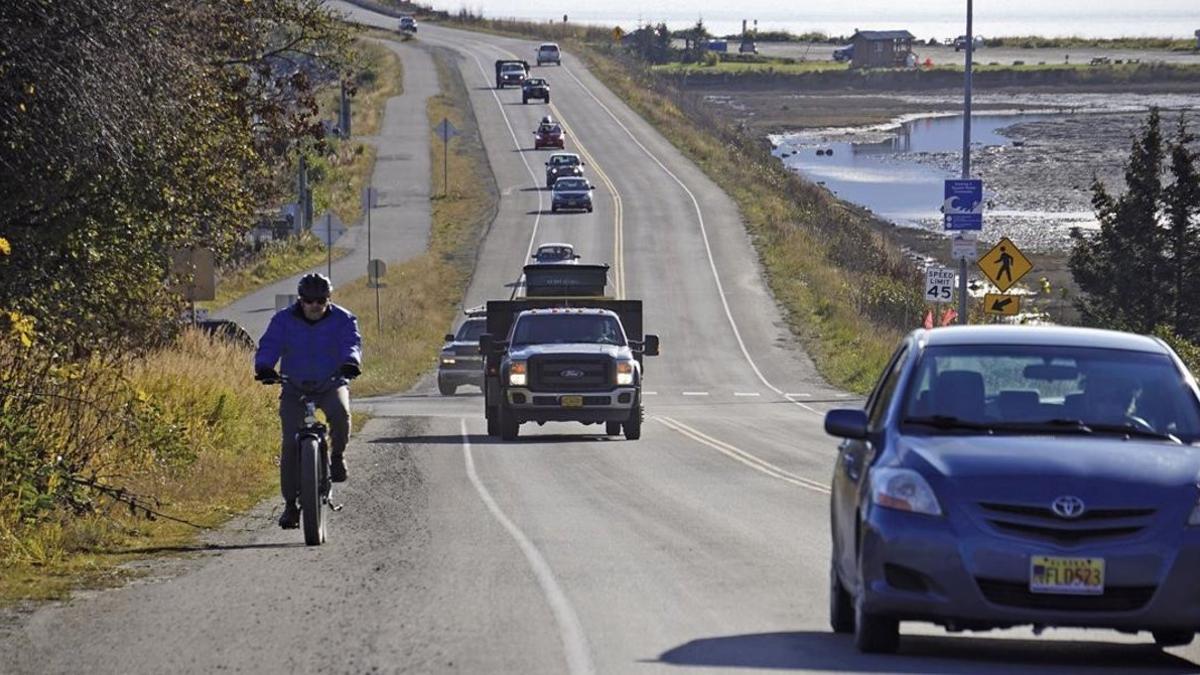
(882, 49)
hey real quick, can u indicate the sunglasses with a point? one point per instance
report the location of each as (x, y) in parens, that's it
(314, 301)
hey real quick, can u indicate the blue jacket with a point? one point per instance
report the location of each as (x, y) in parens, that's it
(310, 351)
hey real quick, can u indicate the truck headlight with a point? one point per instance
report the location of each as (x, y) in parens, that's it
(625, 372)
(903, 490)
(516, 374)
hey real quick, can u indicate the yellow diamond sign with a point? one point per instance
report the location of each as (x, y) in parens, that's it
(1004, 265)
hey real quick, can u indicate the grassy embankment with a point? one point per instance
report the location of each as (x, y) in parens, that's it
(337, 177)
(420, 298)
(205, 449)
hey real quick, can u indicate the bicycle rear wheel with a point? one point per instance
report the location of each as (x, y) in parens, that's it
(312, 515)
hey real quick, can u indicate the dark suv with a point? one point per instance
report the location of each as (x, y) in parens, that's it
(535, 87)
(562, 164)
(460, 362)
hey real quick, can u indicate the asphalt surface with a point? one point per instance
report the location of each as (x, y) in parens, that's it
(702, 547)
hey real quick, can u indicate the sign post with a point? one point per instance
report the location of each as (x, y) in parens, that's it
(963, 317)
(445, 131)
(375, 271)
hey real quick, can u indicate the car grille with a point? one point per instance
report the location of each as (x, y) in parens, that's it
(1039, 523)
(547, 373)
(1114, 598)
(587, 400)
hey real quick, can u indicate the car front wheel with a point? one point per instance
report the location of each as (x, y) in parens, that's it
(875, 633)
(841, 605)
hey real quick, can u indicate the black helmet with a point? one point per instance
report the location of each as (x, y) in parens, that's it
(314, 285)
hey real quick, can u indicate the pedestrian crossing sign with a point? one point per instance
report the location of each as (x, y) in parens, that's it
(1004, 265)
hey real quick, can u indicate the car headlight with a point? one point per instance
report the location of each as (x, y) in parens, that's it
(516, 374)
(624, 372)
(447, 360)
(903, 490)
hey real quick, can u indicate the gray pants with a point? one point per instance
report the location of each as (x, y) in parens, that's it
(336, 405)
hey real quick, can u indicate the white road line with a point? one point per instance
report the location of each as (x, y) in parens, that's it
(649, 393)
(517, 144)
(746, 393)
(750, 460)
(712, 264)
(570, 631)
(695, 393)
(798, 395)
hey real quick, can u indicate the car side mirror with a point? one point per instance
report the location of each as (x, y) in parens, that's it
(583, 164)
(591, 187)
(547, 163)
(650, 345)
(846, 423)
(449, 337)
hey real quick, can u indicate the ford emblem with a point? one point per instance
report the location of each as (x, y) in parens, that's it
(572, 372)
(1067, 506)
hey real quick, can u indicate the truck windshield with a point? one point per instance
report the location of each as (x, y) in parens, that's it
(568, 329)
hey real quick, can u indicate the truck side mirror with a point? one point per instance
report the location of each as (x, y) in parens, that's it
(650, 345)
(485, 344)
(449, 337)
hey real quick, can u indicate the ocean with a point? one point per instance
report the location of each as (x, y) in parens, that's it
(925, 19)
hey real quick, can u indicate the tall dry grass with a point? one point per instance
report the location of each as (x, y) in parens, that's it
(182, 433)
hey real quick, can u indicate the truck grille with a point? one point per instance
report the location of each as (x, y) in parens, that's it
(1114, 598)
(1042, 524)
(571, 373)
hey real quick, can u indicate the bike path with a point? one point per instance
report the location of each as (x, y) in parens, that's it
(400, 221)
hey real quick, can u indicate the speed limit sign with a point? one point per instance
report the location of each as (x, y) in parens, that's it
(939, 284)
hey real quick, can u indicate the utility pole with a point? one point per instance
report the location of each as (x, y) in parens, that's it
(966, 158)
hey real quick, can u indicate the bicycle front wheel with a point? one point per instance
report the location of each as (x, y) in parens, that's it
(312, 516)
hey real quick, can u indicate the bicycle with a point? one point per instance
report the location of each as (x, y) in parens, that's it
(312, 445)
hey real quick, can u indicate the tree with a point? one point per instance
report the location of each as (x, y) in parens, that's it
(1138, 271)
(133, 126)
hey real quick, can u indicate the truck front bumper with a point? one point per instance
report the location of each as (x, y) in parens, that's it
(613, 405)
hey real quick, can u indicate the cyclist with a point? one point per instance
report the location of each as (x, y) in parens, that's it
(311, 340)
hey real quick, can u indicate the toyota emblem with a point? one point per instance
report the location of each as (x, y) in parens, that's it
(572, 372)
(1067, 506)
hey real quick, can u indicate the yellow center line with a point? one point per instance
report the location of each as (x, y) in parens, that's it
(618, 207)
(618, 266)
(752, 461)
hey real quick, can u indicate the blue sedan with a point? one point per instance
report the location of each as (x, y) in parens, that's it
(1007, 475)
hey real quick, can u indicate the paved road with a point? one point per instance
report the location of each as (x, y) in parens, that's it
(702, 546)
(401, 218)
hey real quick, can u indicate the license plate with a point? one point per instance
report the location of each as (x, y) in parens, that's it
(1071, 576)
(572, 401)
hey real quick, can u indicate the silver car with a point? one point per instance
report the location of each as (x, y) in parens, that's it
(1010, 475)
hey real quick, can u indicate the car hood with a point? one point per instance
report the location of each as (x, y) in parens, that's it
(571, 193)
(525, 351)
(462, 348)
(566, 169)
(1038, 468)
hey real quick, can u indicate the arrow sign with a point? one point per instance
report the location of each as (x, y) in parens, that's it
(445, 130)
(996, 303)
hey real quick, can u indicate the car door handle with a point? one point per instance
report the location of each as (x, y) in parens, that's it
(850, 464)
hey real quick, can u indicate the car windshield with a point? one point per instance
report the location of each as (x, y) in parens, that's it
(564, 160)
(570, 184)
(534, 82)
(1043, 389)
(511, 68)
(568, 328)
(471, 330)
(554, 252)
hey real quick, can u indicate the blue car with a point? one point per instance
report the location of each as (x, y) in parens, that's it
(1010, 475)
(571, 192)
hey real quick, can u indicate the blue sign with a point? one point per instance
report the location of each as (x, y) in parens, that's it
(963, 206)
